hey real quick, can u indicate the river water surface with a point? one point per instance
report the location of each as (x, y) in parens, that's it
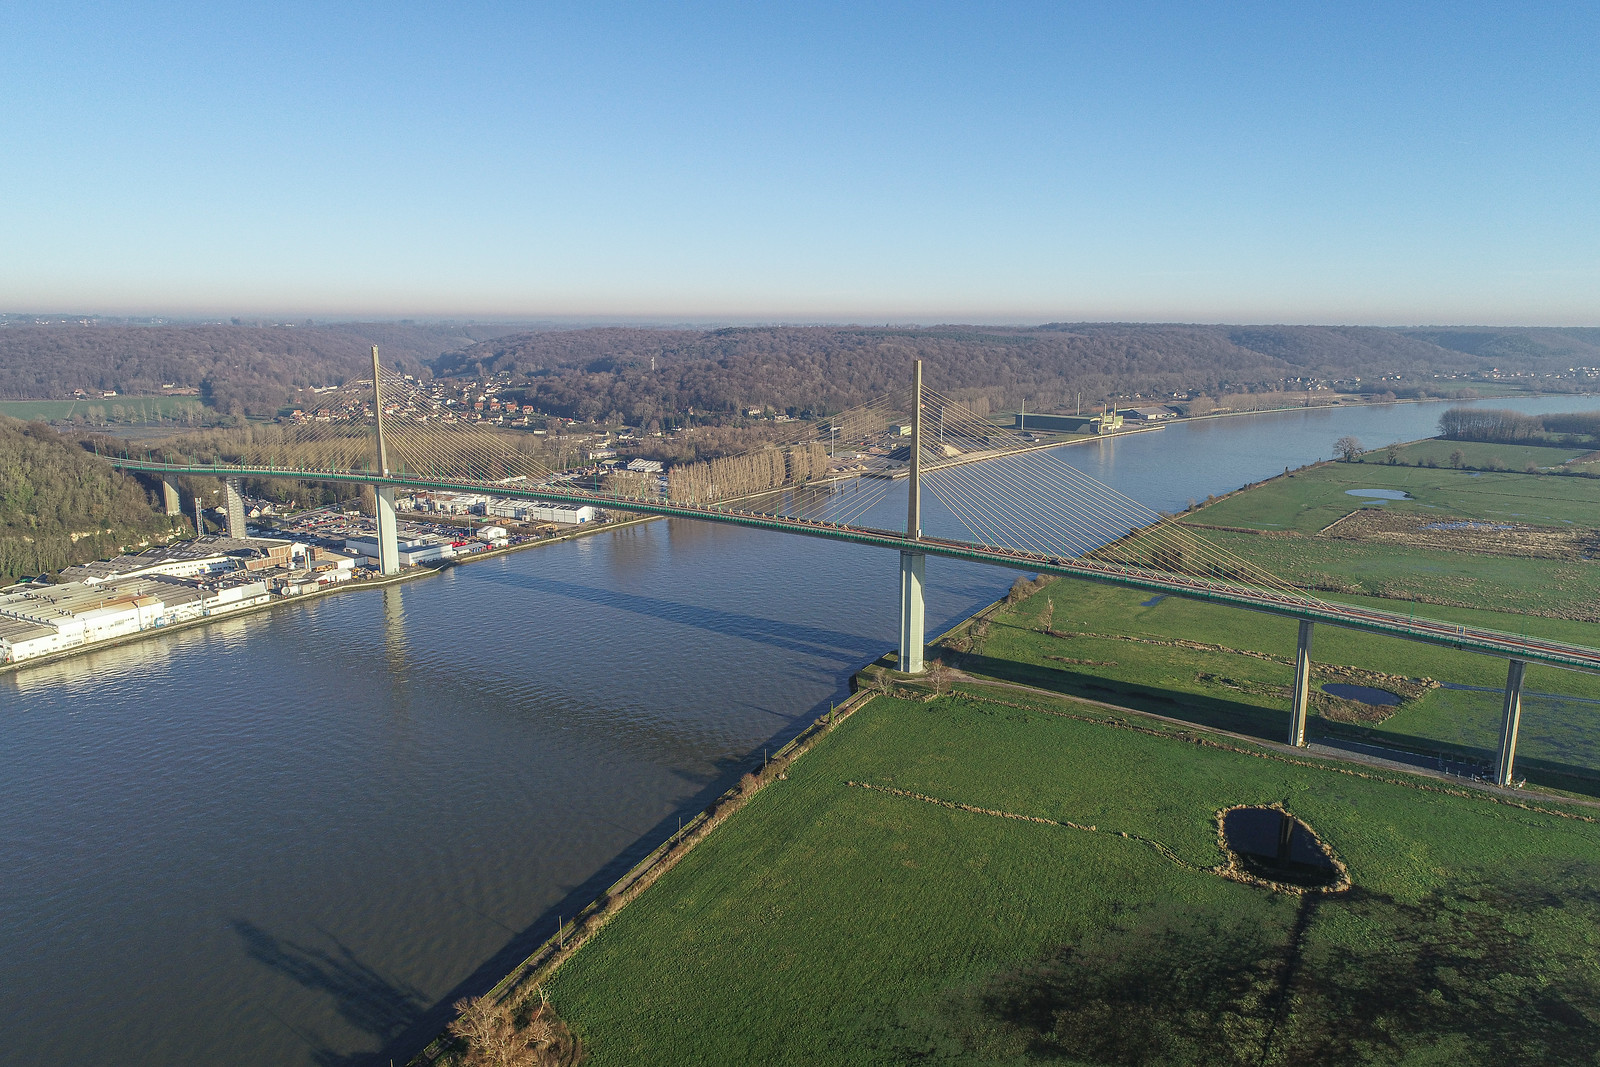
(294, 837)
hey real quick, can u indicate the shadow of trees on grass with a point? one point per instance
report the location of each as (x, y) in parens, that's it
(1493, 970)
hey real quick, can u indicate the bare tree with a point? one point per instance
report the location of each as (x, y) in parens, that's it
(493, 1039)
(490, 1034)
(1348, 448)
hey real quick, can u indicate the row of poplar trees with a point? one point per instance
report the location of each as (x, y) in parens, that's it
(752, 472)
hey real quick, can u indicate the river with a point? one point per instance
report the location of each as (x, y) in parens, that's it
(293, 837)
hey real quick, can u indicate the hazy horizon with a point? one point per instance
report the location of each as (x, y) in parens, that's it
(304, 320)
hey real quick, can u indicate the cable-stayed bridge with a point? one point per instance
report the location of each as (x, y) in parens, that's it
(1018, 504)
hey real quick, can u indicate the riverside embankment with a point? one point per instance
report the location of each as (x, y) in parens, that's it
(368, 582)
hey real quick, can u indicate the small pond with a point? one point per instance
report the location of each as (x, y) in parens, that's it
(1274, 845)
(1153, 601)
(1380, 494)
(1468, 524)
(1367, 694)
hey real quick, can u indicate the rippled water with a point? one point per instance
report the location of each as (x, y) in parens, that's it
(285, 838)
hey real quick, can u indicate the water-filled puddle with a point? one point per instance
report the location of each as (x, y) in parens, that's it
(1381, 494)
(1366, 694)
(1467, 524)
(1274, 845)
(1153, 601)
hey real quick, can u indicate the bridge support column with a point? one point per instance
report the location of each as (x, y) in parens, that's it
(911, 625)
(388, 535)
(169, 498)
(1302, 687)
(233, 508)
(1510, 721)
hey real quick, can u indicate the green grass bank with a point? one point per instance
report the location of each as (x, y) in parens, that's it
(849, 914)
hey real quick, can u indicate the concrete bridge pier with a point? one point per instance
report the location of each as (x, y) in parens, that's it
(169, 498)
(911, 624)
(1302, 687)
(912, 562)
(233, 508)
(1510, 721)
(388, 536)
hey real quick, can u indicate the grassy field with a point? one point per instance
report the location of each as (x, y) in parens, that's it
(1311, 499)
(1298, 540)
(1232, 669)
(136, 408)
(1430, 579)
(834, 923)
(1482, 454)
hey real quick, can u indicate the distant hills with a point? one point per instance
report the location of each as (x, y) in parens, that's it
(239, 369)
(595, 372)
(244, 369)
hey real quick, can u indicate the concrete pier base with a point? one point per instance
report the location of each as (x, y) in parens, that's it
(233, 508)
(1302, 687)
(912, 565)
(169, 498)
(388, 531)
(1510, 722)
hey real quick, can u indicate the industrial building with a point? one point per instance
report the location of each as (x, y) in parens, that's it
(188, 559)
(1155, 414)
(446, 503)
(413, 550)
(542, 511)
(1109, 422)
(39, 620)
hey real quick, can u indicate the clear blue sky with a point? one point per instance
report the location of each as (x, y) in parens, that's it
(1283, 162)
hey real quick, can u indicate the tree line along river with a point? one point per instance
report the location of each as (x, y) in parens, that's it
(286, 838)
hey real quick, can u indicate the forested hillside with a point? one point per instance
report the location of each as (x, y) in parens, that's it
(239, 369)
(589, 373)
(598, 372)
(60, 505)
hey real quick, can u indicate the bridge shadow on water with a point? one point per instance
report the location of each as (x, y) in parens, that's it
(817, 641)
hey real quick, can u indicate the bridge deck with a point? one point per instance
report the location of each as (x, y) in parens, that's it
(1467, 638)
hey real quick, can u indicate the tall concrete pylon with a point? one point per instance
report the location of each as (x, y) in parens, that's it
(1302, 687)
(169, 497)
(233, 508)
(388, 530)
(913, 563)
(1510, 722)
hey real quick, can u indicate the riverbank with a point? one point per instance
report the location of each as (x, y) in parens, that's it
(353, 586)
(523, 981)
(1343, 406)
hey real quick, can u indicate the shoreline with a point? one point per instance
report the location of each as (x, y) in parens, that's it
(380, 582)
(1381, 403)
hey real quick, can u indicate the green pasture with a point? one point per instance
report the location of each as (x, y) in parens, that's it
(1509, 584)
(1511, 457)
(135, 408)
(828, 923)
(1234, 690)
(1311, 499)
